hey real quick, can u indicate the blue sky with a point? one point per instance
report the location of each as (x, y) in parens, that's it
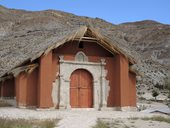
(115, 11)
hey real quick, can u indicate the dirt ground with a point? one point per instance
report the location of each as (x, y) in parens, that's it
(87, 118)
(132, 123)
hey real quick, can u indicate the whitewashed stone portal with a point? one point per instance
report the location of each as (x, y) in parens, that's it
(100, 84)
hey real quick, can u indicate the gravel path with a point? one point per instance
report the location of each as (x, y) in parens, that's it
(69, 119)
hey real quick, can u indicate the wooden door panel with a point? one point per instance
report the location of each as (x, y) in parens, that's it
(81, 89)
(74, 90)
(73, 98)
(74, 80)
(90, 97)
(85, 79)
(84, 98)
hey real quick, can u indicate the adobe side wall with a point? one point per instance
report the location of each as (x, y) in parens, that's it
(124, 81)
(32, 83)
(21, 89)
(7, 88)
(35, 89)
(45, 81)
(26, 89)
(132, 84)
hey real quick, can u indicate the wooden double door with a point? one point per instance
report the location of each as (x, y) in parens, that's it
(81, 89)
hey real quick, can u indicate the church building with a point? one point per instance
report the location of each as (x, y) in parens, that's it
(82, 69)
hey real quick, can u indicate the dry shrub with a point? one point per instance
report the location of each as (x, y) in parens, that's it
(21, 123)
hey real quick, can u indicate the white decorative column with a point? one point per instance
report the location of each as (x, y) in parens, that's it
(96, 94)
(103, 85)
(62, 102)
(62, 94)
(67, 93)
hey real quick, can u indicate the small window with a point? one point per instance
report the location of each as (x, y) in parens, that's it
(80, 56)
(81, 45)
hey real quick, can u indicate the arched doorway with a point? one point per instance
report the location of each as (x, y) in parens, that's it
(81, 89)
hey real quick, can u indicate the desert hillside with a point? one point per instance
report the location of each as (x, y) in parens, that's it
(150, 39)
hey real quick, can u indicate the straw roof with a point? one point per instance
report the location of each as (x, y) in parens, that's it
(25, 36)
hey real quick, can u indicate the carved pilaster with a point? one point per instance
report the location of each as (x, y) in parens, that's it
(67, 90)
(96, 95)
(103, 84)
(61, 59)
(62, 96)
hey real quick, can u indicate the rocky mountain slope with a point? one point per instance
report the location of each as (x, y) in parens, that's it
(149, 38)
(152, 41)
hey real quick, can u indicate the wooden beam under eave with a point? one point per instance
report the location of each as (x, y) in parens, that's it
(89, 38)
(6, 78)
(27, 68)
(85, 40)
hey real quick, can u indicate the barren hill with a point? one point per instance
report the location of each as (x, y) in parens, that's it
(149, 38)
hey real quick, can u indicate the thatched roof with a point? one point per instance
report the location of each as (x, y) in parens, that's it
(25, 36)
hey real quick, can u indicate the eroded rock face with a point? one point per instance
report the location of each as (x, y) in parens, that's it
(149, 38)
(152, 41)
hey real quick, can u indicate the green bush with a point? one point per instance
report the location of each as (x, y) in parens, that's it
(100, 124)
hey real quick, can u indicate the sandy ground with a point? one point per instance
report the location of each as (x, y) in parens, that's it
(145, 124)
(137, 123)
(81, 118)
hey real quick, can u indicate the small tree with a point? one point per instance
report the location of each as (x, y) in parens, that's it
(155, 93)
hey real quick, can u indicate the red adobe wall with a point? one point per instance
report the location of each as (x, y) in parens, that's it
(123, 69)
(125, 83)
(7, 88)
(35, 89)
(45, 81)
(21, 89)
(113, 77)
(26, 88)
(32, 83)
(132, 84)
(90, 49)
(120, 89)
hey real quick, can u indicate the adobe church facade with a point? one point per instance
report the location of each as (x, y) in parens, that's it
(82, 72)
